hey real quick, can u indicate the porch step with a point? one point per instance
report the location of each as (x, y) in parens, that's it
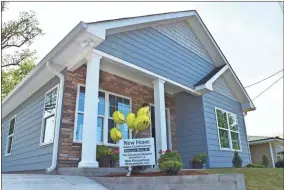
(90, 172)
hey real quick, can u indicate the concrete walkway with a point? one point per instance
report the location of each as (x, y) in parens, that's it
(47, 182)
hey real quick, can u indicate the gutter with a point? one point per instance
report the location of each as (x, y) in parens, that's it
(58, 116)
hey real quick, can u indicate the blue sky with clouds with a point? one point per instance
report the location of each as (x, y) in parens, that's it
(250, 34)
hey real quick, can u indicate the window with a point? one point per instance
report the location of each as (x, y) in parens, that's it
(49, 115)
(228, 130)
(107, 104)
(10, 136)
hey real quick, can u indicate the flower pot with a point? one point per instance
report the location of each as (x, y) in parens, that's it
(105, 161)
(197, 165)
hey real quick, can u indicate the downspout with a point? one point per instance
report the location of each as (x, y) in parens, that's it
(58, 117)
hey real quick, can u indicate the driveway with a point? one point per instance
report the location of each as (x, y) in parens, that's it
(47, 182)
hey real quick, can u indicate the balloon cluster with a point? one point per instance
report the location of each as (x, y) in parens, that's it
(141, 122)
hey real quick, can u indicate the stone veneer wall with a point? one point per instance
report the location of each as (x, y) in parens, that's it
(69, 152)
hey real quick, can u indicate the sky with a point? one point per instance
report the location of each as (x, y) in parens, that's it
(250, 34)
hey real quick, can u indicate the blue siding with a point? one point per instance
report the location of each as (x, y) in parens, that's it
(190, 126)
(220, 86)
(217, 157)
(151, 50)
(26, 152)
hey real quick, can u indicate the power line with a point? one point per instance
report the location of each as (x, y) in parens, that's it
(267, 88)
(264, 79)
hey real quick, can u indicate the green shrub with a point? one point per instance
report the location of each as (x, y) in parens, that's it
(255, 166)
(199, 158)
(265, 161)
(237, 161)
(279, 164)
(103, 151)
(171, 167)
(169, 156)
(170, 162)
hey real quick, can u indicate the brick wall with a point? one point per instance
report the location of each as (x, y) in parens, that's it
(69, 152)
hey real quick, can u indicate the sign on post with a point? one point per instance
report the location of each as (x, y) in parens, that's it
(136, 152)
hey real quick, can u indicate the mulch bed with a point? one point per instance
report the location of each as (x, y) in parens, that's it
(152, 174)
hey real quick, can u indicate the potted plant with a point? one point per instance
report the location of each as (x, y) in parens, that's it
(198, 161)
(170, 162)
(104, 156)
(115, 158)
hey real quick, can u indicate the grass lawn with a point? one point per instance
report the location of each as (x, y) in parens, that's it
(257, 178)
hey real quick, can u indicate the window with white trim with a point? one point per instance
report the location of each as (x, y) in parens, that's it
(49, 115)
(228, 130)
(107, 104)
(10, 136)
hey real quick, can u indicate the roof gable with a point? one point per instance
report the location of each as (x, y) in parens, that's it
(94, 33)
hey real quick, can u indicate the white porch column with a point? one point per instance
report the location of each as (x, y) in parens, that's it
(89, 141)
(271, 155)
(160, 117)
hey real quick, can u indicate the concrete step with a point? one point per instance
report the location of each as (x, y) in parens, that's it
(90, 172)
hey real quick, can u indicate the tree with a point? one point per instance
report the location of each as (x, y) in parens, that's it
(17, 36)
(12, 76)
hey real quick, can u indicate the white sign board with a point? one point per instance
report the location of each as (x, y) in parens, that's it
(137, 152)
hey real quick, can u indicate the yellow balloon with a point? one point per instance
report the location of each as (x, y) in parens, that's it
(118, 117)
(143, 123)
(130, 120)
(143, 111)
(135, 123)
(118, 134)
(115, 134)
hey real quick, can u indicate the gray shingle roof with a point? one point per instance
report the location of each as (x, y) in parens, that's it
(259, 138)
(209, 76)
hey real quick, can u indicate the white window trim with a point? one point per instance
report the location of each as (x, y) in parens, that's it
(229, 131)
(106, 116)
(10, 136)
(43, 117)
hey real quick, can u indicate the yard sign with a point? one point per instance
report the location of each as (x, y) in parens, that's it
(136, 152)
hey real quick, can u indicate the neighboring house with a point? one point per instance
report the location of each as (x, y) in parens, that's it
(271, 147)
(169, 60)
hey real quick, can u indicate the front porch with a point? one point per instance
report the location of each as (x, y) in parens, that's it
(116, 86)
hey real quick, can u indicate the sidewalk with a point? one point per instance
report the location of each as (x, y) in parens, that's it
(47, 182)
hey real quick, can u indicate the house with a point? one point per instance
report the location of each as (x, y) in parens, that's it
(271, 147)
(169, 60)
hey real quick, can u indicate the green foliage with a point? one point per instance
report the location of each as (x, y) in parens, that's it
(13, 76)
(265, 161)
(170, 161)
(171, 167)
(103, 151)
(199, 158)
(255, 166)
(16, 37)
(237, 161)
(115, 154)
(279, 164)
(169, 156)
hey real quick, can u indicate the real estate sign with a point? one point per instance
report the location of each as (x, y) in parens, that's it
(136, 152)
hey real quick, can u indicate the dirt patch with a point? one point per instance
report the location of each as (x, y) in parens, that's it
(152, 174)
